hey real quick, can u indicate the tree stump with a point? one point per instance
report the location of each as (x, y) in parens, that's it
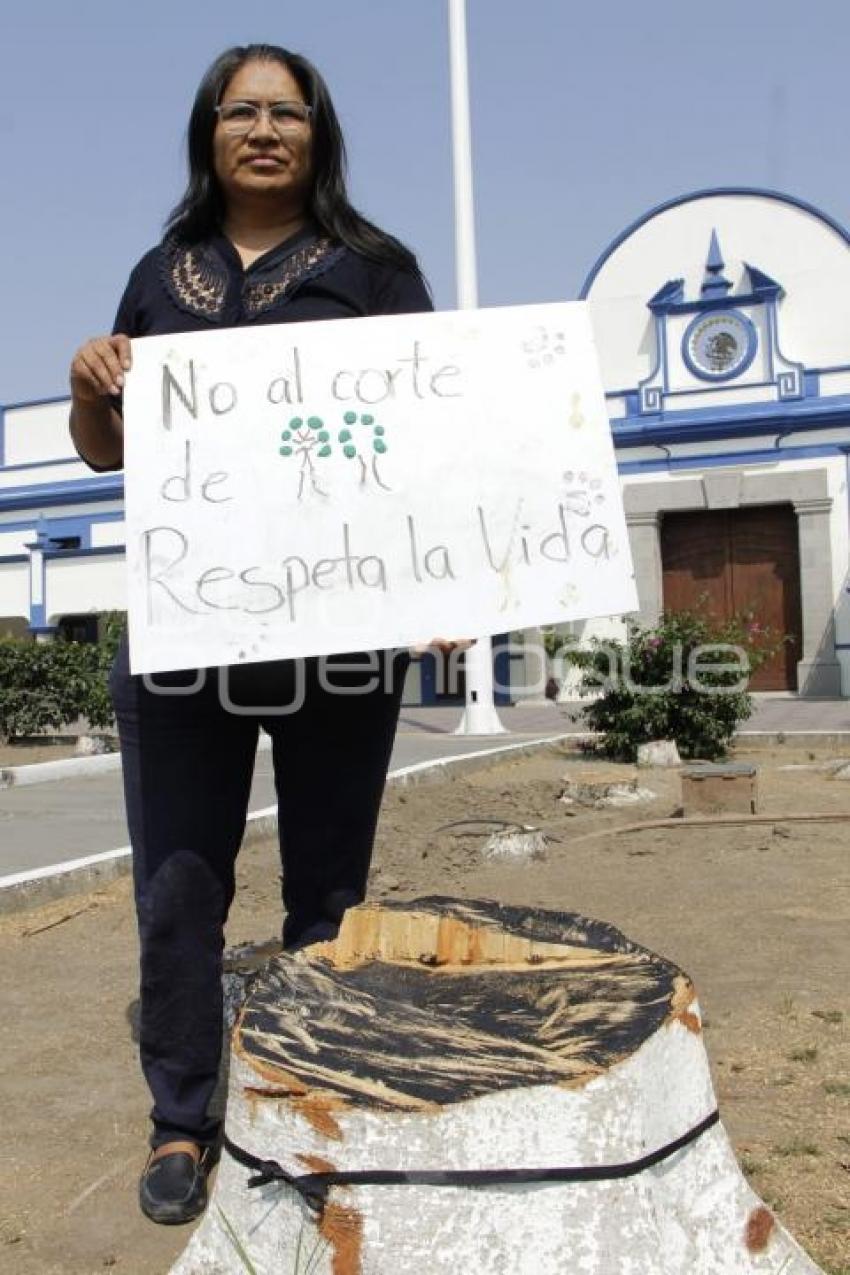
(438, 1038)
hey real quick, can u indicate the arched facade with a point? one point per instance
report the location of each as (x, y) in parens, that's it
(723, 324)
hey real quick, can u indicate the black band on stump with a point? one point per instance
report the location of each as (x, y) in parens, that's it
(314, 1187)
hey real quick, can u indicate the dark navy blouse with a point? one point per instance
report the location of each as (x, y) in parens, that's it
(180, 288)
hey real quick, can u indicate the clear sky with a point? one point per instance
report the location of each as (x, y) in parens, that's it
(585, 115)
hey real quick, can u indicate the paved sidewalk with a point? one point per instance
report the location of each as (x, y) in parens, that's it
(53, 823)
(773, 713)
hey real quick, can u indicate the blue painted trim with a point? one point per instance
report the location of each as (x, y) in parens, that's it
(648, 394)
(43, 464)
(720, 389)
(2, 436)
(706, 304)
(712, 459)
(841, 646)
(812, 371)
(714, 266)
(29, 523)
(42, 628)
(791, 379)
(38, 495)
(762, 285)
(85, 551)
(37, 402)
(742, 420)
(427, 679)
(501, 669)
(770, 326)
(14, 557)
(37, 616)
(752, 346)
(690, 197)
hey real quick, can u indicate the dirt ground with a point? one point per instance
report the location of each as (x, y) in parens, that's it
(32, 754)
(759, 916)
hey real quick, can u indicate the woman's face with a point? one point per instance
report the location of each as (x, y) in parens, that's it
(264, 162)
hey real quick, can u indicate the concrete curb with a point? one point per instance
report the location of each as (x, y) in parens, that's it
(80, 767)
(43, 772)
(22, 890)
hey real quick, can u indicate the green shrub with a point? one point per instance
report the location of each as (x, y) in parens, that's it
(98, 708)
(46, 685)
(685, 679)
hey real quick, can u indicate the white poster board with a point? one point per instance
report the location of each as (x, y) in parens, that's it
(311, 488)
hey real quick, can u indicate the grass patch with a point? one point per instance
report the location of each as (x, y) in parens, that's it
(805, 1054)
(787, 1007)
(797, 1147)
(828, 1015)
(837, 1088)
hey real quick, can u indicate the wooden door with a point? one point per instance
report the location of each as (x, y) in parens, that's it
(728, 562)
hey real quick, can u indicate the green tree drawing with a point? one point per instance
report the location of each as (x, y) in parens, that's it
(368, 439)
(361, 439)
(303, 439)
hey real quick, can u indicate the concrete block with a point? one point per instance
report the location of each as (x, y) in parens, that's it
(660, 752)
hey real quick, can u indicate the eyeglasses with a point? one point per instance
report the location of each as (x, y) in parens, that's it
(239, 118)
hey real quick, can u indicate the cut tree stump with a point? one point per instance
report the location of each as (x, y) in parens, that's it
(444, 1037)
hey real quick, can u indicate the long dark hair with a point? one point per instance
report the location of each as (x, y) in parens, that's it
(200, 212)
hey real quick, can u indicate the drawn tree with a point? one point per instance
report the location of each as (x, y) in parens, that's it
(303, 439)
(361, 439)
(369, 439)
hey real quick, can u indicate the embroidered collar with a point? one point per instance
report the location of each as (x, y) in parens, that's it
(198, 277)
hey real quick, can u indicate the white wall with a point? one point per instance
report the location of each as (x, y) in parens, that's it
(15, 589)
(108, 533)
(91, 583)
(37, 433)
(14, 542)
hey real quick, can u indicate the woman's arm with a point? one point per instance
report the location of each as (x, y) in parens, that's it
(97, 371)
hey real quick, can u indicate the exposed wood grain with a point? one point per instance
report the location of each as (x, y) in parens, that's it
(429, 1003)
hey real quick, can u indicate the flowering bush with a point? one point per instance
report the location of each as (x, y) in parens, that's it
(685, 679)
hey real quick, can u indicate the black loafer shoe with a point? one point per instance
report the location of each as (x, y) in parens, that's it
(173, 1188)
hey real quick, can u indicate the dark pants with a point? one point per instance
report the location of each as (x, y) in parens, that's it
(188, 762)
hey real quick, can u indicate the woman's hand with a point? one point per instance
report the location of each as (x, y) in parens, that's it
(98, 368)
(446, 645)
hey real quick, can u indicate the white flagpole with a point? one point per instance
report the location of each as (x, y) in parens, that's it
(479, 716)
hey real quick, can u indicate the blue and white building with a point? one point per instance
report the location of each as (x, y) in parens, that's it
(723, 325)
(722, 320)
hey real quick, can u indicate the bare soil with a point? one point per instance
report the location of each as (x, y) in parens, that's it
(31, 754)
(759, 916)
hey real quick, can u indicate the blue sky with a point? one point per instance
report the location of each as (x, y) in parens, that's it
(585, 115)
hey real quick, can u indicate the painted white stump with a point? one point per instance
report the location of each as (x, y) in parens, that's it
(440, 1035)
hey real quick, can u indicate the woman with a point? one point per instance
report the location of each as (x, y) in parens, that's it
(264, 234)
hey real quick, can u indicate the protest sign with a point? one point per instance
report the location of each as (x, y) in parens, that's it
(303, 489)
